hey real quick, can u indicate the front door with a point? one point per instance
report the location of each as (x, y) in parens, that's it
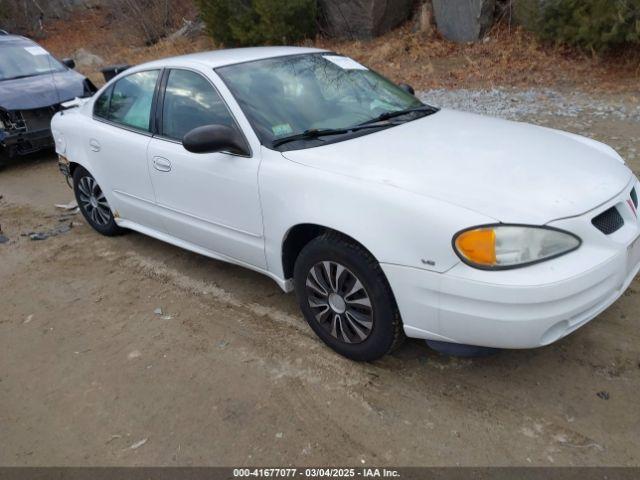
(209, 200)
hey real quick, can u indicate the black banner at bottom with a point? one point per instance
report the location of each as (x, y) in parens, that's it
(235, 473)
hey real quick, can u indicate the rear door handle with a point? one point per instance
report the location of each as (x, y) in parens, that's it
(94, 145)
(161, 164)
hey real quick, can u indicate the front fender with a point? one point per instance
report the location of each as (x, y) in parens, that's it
(396, 226)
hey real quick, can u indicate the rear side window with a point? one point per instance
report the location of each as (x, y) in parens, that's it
(191, 101)
(101, 106)
(128, 102)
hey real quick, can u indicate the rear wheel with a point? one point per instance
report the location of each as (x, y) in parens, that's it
(346, 298)
(93, 203)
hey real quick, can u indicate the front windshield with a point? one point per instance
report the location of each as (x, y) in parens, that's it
(287, 96)
(26, 60)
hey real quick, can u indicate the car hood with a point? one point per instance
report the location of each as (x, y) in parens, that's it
(512, 172)
(41, 90)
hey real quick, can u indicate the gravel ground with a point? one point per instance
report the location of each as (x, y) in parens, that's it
(525, 104)
(578, 112)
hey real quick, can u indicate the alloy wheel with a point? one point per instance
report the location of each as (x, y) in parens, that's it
(93, 201)
(339, 302)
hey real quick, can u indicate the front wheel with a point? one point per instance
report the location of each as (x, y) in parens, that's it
(93, 204)
(346, 298)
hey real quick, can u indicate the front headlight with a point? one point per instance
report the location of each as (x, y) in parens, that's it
(495, 247)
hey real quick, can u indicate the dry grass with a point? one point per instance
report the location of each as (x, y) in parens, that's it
(510, 57)
(96, 31)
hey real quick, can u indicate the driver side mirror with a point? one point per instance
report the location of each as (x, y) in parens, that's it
(215, 138)
(407, 88)
(69, 62)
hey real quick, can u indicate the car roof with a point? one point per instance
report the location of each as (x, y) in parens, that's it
(219, 58)
(8, 38)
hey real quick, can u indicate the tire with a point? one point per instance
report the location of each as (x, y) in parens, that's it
(346, 299)
(93, 204)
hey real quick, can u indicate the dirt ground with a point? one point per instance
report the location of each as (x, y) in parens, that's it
(230, 374)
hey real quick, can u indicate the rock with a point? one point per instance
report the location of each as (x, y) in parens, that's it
(362, 18)
(84, 59)
(189, 29)
(464, 20)
(423, 20)
(3, 239)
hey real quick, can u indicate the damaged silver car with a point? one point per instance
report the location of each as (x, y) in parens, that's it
(33, 84)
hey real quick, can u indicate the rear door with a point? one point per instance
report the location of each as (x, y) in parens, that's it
(118, 146)
(209, 200)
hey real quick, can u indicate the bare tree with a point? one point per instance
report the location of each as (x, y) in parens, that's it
(29, 16)
(151, 20)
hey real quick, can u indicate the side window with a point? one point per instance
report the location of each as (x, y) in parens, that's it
(132, 98)
(191, 101)
(101, 105)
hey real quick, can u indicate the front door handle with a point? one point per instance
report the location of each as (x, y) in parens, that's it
(94, 145)
(161, 164)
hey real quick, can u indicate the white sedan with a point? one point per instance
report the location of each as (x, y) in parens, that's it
(388, 217)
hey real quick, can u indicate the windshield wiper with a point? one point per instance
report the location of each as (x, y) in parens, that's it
(325, 132)
(428, 109)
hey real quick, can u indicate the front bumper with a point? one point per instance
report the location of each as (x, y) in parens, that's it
(527, 307)
(26, 131)
(24, 143)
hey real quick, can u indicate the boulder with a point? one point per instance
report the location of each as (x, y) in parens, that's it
(363, 19)
(85, 59)
(189, 29)
(423, 19)
(464, 20)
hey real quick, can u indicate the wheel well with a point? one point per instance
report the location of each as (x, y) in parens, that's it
(299, 236)
(295, 241)
(72, 168)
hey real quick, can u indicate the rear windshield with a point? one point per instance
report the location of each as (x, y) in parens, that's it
(26, 60)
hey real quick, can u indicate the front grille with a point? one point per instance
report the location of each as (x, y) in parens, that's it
(13, 121)
(634, 197)
(608, 221)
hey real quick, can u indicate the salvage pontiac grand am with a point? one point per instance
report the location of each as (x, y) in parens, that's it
(388, 217)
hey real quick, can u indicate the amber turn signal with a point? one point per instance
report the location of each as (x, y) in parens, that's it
(478, 246)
